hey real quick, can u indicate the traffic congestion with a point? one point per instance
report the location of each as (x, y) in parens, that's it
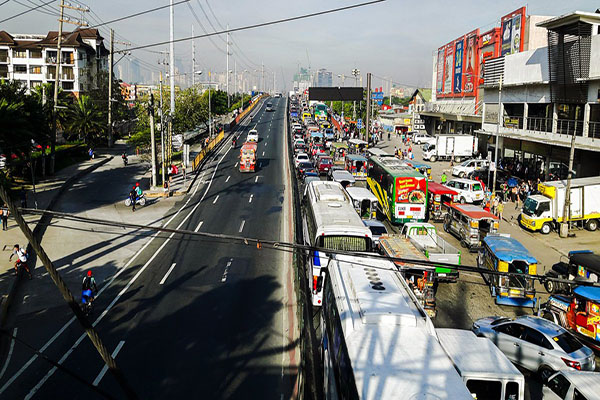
(544, 326)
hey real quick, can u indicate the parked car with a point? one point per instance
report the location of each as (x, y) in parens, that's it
(502, 176)
(536, 344)
(419, 138)
(466, 167)
(469, 191)
(377, 229)
(301, 157)
(572, 385)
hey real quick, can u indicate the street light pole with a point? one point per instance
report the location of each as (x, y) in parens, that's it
(500, 115)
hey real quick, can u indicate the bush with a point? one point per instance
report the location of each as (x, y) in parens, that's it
(140, 139)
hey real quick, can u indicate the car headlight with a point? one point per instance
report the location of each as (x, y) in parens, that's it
(475, 326)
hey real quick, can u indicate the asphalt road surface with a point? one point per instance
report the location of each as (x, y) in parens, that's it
(187, 317)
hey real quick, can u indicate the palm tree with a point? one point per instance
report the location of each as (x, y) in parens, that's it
(85, 120)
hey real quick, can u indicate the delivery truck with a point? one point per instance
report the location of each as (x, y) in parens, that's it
(447, 147)
(544, 212)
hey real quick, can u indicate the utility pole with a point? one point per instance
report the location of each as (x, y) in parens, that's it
(500, 115)
(209, 110)
(227, 72)
(110, 81)
(235, 82)
(368, 118)
(193, 59)
(172, 79)
(262, 69)
(355, 72)
(56, 83)
(273, 82)
(564, 225)
(162, 132)
(152, 140)
(68, 296)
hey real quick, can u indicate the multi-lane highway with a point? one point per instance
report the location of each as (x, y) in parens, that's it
(189, 317)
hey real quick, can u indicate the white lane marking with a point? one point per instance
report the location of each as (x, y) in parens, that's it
(215, 200)
(224, 278)
(167, 274)
(250, 199)
(198, 227)
(227, 180)
(105, 368)
(120, 294)
(259, 164)
(235, 165)
(242, 225)
(256, 179)
(263, 153)
(267, 136)
(265, 144)
(12, 346)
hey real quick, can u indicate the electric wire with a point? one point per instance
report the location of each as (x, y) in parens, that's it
(287, 246)
(26, 11)
(262, 24)
(139, 13)
(4, 2)
(210, 23)
(202, 27)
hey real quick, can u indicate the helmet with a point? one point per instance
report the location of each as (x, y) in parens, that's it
(89, 273)
(133, 187)
(137, 184)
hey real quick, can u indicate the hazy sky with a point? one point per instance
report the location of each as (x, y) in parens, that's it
(393, 39)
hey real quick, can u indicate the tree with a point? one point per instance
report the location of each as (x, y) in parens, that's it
(85, 120)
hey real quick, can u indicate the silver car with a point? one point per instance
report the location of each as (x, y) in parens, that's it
(536, 344)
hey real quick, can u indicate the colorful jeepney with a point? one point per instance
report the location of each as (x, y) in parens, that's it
(501, 253)
(579, 312)
(356, 165)
(248, 157)
(439, 199)
(425, 169)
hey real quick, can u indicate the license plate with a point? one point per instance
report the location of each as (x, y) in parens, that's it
(514, 292)
(478, 196)
(441, 274)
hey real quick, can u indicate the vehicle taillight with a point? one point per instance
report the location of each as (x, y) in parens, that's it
(572, 364)
(315, 279)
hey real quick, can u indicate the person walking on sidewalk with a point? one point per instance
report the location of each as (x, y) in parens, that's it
(500, 209)
(133, 198)
(4, 214)
(21, 260)
(444, 177)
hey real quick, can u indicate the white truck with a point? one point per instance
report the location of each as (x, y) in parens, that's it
(424, 237)
(543, 212)
(447, 147)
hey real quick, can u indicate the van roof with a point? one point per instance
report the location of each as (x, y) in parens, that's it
(478, 356)
(587, 382)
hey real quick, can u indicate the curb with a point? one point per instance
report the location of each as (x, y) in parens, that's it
(38, 232)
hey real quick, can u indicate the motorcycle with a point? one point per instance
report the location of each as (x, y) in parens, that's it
(125, 160)
(141, 200)
(87, 304)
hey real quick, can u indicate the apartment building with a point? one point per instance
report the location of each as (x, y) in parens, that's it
(549, 96)
(31, 59)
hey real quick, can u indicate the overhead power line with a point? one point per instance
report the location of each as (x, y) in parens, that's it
(26, 11)
(139, 13)
(274, 22)
(4, 2)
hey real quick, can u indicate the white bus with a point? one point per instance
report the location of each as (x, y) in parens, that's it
(330, 222)
(378, 343)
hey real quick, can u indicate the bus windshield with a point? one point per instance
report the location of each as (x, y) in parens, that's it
(345, 243)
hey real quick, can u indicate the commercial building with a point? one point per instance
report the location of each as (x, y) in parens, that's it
(31, 59)
(324, 78)
(547, 97)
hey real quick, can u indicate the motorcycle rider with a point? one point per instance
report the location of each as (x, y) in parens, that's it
(124, 157)
(138, 190)
(88, 288)
(233, 141)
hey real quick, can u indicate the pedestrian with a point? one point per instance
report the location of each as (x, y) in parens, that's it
(517, 193)
(495, 204)
(4, 214)
(91, 153)
(21, 260)
(513, 194)
(389, 136)
(133, 198)
(23, 196)
(500, 209)
(444, 177)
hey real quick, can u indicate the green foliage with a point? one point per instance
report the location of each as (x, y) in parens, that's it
(85, 121)
(140, 139)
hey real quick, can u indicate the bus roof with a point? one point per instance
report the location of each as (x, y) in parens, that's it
(392, 345)
(478, 356)
(333, 211)
(395, 167)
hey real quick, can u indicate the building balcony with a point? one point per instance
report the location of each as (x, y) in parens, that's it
(4, 59)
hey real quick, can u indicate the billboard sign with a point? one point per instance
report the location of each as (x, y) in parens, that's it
(470, 63)
(440, 70)
(513, 29)
(448, 64)
(458, 65)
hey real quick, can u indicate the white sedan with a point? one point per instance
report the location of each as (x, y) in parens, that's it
(301, 157)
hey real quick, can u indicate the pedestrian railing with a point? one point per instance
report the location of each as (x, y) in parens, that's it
(206, 149)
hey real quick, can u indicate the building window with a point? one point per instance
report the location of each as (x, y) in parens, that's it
(67, 73)
(3, 71)
(35, 84)
(67, 85)
(67, 57)
(20, 53)
(3, 56)
(36, 69)
(35, 54)
(20, 69)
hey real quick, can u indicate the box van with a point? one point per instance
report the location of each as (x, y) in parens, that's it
(485, 370)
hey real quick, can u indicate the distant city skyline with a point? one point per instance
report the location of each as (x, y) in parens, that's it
(393, 40)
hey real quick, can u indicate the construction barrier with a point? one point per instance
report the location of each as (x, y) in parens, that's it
(206, 149)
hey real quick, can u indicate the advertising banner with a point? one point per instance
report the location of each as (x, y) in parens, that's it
(440, 71)
(458, 65)
(513, 29)
(448, 64)
(471, 64)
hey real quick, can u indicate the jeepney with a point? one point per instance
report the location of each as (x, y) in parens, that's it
(440, 198)
(356, 165)
(581, 266)
(502, 253)
(357, 146)
(421, 278)
(425, 169)
(248, 157)
(470, 224)
(579, 313)
(365, 203)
